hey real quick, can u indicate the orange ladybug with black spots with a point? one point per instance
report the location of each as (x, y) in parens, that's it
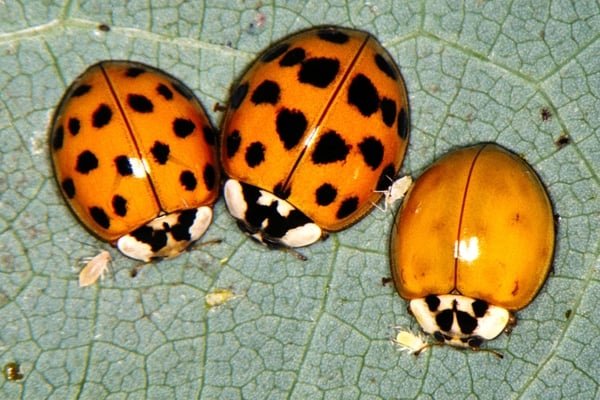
(315, 128)
(135, 157)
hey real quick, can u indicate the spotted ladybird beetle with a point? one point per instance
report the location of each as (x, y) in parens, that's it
(135, 157)
(314, 128)
(472, 243)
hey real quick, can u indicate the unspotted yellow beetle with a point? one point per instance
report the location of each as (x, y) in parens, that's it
(473, 242)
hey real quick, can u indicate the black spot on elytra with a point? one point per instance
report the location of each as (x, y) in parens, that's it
(183, 127)
(164, 92)
(232, 143)
(293, 57)
(403, 124)
(182, 90)
(140, 103)
(266, 93)
(134, 72)
(210, 177)
(480, 307)
(274, 52)
(290, 126)
(160, 151)
(119, 204)
(386, 178)
(210, 137)
(86, 162)
(433, 302)
(330, 147)
(319, 72)
(74, 126)
(238, 96)
(100, 217)
(124, 167)
(363, 95)
(282, 192)
(385, 66)
(444, 319)
(188, 180)
(68, 187)
(326, 194)
(58, 138)
(333, 36)
(371, 149)
(101, 116)
(388, 111)
(81, 90)
(347, 207)
(255, 154)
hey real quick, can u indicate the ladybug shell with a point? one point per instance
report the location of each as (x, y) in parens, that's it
(129, 143)
(320, 120)
(477, 223)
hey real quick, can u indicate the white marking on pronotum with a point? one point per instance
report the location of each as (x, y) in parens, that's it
(95, 268)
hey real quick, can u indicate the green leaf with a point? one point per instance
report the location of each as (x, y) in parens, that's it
(522, 73)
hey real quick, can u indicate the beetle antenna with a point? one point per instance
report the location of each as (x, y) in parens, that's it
(494, 352)
(295, 253)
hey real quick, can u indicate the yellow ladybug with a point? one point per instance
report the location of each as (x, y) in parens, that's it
(472, 243)
(315, 129)
(135, 157)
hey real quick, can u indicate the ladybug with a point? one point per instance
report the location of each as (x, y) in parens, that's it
(135, 157)
(472, 243)
(315, 128)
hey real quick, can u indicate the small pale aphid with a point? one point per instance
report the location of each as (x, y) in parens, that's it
(395, 191)
(408, 341)
(95, 268)
(218, 296)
